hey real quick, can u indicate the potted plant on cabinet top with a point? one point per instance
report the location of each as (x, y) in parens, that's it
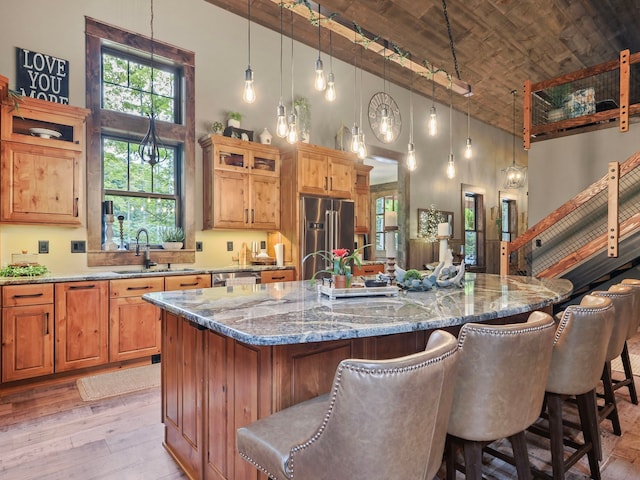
(172, 238)
(233, 119)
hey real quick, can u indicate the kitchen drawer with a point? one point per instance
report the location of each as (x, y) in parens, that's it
(134, 287)
(366, 270)
(272, 276)
(31, 294)
(185, 282)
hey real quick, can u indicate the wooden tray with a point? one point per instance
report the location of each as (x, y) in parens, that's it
(334, 293)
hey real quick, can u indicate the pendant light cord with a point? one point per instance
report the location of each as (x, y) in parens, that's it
(355, 78)
(152, 52)
(451, 120)
(514, 92)
(411, 106)
(292, 105)
(281, 52)
(249, 30)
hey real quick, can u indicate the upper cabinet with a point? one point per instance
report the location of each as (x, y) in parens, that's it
(241, 184)
(362, 199)
(323, 171)
(42, 145)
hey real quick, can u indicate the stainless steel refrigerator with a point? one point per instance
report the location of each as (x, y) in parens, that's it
(326, 225)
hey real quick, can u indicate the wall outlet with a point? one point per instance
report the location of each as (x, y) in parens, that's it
(155, 358)
(43, 246)
(198, 246)
(78, 246)
(229, 246)
(263, 245)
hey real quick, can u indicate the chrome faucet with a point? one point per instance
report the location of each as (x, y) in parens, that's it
(147, 258)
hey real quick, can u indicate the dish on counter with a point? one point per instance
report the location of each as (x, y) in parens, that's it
(44, 133)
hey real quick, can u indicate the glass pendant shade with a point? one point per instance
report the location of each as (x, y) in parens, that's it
(468, 150)
(411, 158)
(330, 92)
(515, 177)
(249, 93)
(433, 122)
(355, 138)
(320, 82)
(451, 167)
(281, 125)
(384, 120)
(292, 134)
(362, 147)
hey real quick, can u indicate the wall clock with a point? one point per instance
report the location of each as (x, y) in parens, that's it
(375, 112)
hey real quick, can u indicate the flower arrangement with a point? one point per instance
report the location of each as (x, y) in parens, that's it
(340, 260)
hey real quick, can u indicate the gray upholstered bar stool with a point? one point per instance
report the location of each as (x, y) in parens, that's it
(628, 381)
(382, 419)
(579, 351)
(499, 390)
(622, 298)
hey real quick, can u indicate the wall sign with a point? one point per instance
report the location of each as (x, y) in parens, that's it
(42, 76)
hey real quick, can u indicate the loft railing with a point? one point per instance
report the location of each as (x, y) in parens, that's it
(593, 97)
(593, 220)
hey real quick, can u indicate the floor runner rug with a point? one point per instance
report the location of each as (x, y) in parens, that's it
(119, 382)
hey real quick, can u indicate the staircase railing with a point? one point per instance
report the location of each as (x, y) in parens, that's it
(593, 220)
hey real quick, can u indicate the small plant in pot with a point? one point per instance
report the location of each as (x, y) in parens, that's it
(233, 119)
(172, 238)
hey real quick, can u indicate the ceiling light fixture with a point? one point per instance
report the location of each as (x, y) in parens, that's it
(451, 166)
(320, 82)
(411, 151)
(468, 151)
(281, 123)
(292, 134)
(514, 176)
(149, 149)
(330, 92)
(433, 116)
(249, 93)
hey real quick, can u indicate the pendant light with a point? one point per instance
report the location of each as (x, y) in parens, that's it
(514, 176)
(320, 82)
(281, 123)
(249, 93)
(468, 150)
(451, 166)
(355, 131)
(433, 117)
(411, 151)
(330, 92)
(149, 149)
(362, 146)
(292, 133)
(385, 127)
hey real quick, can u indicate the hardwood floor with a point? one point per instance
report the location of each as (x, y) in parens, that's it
(50, 433)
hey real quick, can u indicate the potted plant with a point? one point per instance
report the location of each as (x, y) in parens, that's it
(233, 119)
(340, 261)
(172, 238)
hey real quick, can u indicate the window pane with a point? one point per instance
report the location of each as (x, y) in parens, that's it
(469, 212)
(115, 160)
(379, 205)
(379, 241)
(470, 248)
(151, 213)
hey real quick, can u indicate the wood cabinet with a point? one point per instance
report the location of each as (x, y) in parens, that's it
(273, 276)
(41, 163)
(134, 324)
(27, 331)
(324, 172)
(82, 324)
(241, 184)
(362, 199)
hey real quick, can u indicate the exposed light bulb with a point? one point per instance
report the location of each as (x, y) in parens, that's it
(388, 136)
(433, 122)
(281, 125)
(330, 92)
(384, 120)
(362, 148)
(292, 134)
(249, 93)
(355, 138)
(411, 158)
(320, 83)
(451, 167)
(468, 151)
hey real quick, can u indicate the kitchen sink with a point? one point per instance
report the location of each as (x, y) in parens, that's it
(159, 270)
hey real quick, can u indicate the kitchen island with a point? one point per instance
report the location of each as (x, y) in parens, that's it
(231, 355)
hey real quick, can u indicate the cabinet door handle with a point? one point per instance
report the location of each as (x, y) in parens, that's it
(75, 207)
(253, 216)
(45, 319)
(28, 295)
(82, 287)
(331, 183)
(326, 183)
(146, 287)
(246, 215)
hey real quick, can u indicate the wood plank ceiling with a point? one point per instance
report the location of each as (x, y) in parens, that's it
(498, 43)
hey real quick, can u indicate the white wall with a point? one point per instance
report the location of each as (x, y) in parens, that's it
(218, 39)
(561, 168)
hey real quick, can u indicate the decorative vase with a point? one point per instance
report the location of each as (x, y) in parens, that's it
(172, 245)
(232, 122)
(339, 281)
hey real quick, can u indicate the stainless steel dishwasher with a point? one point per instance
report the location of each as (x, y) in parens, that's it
(235, 278)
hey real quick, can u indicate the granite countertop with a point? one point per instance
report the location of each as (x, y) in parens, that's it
(132, 272)
(294, 312)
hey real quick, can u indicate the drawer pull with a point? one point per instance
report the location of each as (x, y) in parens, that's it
(189, 284)
(281, 277)
(82, 287)
(29, 295)
(146, 287)
(371, 270)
